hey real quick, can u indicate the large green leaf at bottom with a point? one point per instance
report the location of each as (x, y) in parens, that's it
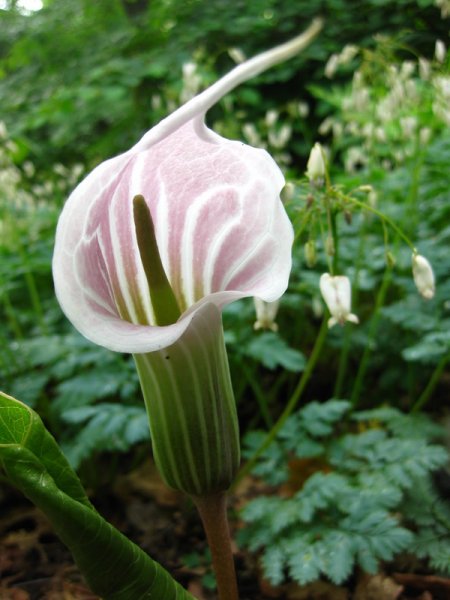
(115, 568)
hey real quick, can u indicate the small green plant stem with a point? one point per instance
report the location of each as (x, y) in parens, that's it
(213, 512)
(31, 286)
(381, 296)
(335, 233)
(385, 219)
(411, 214)
(431, 385)
(300, 224)
(10, 313)
(345, 352)
(259, 394)
(293, 401)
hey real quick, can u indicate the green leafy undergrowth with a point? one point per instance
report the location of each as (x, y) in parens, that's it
(105, 427)
(89, 397)
(357, 490)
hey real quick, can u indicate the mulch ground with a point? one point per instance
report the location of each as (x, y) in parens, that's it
(35, 565)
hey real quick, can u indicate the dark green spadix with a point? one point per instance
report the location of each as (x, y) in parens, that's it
(165, 306)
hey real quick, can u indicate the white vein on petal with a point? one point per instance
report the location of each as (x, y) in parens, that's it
(188, 242)
(118, 260)
(242, 263)
(163, 229)
(91, 292)
(215, 248)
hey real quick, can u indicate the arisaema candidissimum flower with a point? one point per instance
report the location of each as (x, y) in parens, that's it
(151, 246)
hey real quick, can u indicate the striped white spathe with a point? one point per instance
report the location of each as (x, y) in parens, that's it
(221, 229)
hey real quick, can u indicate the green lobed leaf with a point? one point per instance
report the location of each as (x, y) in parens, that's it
(272, 351)
(105, 427)
(115, 568)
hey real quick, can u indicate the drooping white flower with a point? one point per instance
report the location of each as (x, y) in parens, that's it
(423, 276)
(336, 292)
(266, 313)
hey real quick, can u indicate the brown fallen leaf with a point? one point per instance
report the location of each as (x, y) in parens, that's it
(13, 594)
(377, 587)
(425, 596)
(439, 587)
(319, 590)
(196, 589)
(300, 470)
(147, 481)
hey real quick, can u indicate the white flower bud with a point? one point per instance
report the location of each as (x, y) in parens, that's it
(237, 55)
(331, 66)
(440, 51)
(287, 193)
(188, 69)
(348, 53)
(424, 68)
(3, 131)
(303, 109)
(271, 117)
(251, 133)
(315, 168)
(330, 248)
(423, 276)
(336, 292)
(265, 314)
(425, 135)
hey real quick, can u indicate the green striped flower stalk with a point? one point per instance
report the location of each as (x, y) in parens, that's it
(153, 244)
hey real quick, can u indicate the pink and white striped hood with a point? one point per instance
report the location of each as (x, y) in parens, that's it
(220, 226)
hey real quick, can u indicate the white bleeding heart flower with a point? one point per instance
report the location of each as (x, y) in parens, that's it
(150, 247)
(423, 276)
(336, 292)
(266, 313)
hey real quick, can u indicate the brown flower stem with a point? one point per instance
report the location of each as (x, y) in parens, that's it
(213, 512)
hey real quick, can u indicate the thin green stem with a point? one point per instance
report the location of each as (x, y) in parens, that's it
(303, 219)
(431, 385)
(31, 285)
(335, 234)
(411, 213)
(345, 352)
(213, 512)
(363, 365)
(293, 401)
(324, 243)
(382, 216)
(259, 394)
(10, 313)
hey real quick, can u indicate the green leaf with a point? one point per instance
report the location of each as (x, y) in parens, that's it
(115, 568)
(272, 351)
(105, 427)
